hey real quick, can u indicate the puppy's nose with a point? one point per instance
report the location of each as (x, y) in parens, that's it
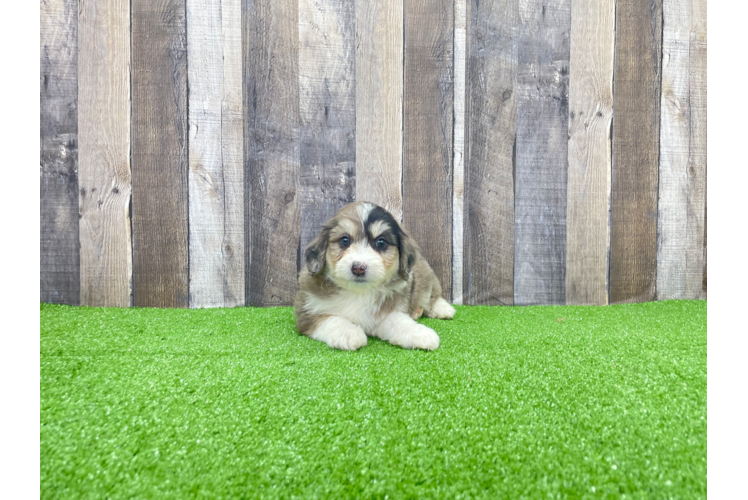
(358, 268)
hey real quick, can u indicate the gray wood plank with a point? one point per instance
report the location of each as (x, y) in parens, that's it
(681, 197)
(59, 266)
(542, 152)
(489, 163)
(327, 107)
(379, 103)
(216, 170)
(427, 126)
(159, 154)
(271, 101)
(104, 152)
(590, 120)
(696, 248)
(636, 139)
(458, 153)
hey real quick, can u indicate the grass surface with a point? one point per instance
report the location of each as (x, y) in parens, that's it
(535, 402)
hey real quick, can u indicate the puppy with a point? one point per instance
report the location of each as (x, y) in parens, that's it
(364, 275)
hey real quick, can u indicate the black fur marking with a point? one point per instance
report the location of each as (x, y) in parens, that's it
(394, 236)
(380, 214)
(315, 252)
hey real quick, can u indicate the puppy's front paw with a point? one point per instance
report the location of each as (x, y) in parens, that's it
(441, 310)
(399, 329)
(349, 340)
(421, 337)
(339, 333)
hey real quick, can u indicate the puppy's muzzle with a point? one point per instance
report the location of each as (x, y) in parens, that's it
(358, 269)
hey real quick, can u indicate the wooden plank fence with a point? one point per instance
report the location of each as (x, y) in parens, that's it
(59, 269)
(105, 174)
(546, 152)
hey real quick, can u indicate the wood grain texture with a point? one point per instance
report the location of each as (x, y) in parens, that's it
(590, 120)
(458, 153)
(104, 151)
(159, 154)
(379, 103)
(672, 215)
(681, 237)
(59, 266)
(696, 247)
(636, 134)
(542, 152)
(327, 108)
(270, 41)
(489, 164)
(216, 169)
(427, 141)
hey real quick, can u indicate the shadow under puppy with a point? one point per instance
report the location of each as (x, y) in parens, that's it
(365, 276)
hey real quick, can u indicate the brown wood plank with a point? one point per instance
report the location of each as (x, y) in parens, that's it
(216, 171)
(270, 44)
(159, 154)
(379, 103)
(489, 164)
(327, 107)
(427, 141)
(542, 152)
(636, 134)
(590, 120)
(104, 152)
(59, 268)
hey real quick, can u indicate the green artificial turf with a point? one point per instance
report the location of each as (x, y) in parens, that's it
(533, 402)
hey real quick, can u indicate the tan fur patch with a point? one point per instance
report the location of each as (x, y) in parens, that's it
(377, 228)
(307, 323)
(391, 260)
(345, 226)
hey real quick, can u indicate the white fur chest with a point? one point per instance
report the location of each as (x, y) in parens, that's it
(361, 308)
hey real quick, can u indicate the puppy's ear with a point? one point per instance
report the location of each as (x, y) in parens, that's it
(315, 252)
(408, 254)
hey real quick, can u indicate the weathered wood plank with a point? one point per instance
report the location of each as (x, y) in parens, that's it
(159, 154)
(590, 120)
(696, 249)
(379, 103)
(104, 152)
(542, 152)
(59, 269)
(489, 164)
(673, 213)
(327, 107)
(270, 44)
(216, 170)
(636, 138)
(458, 153)
(427, 141)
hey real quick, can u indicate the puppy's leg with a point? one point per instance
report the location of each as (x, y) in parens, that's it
(429, 295)
(441, 310)
(339, 333)
(400, 329)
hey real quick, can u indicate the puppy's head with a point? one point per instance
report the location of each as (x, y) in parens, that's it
(361, 248)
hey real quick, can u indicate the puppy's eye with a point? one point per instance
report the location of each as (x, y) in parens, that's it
(344, 242)
(380, 244)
